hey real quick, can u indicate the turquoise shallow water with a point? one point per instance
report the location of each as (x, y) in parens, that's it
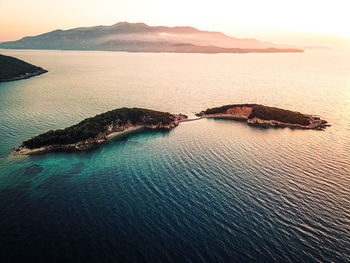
(210, 190)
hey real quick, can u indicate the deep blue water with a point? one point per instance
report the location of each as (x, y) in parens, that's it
(207, 191)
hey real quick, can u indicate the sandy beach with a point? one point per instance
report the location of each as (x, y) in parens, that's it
(126, 131)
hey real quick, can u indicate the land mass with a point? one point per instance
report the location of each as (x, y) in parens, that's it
(264, 116)
(98, 129)
(16, 69)
(139, 37)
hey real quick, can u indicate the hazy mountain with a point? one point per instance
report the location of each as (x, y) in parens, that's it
(139, 37)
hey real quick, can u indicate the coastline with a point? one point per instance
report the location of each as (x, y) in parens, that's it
(224, 116)
(315, 122)
(224, 51)
(112, 131)
(126, 131)
(79, 146)
(193, 119)
(26, 76)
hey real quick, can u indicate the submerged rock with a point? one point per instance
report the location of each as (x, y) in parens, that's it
(33, 170)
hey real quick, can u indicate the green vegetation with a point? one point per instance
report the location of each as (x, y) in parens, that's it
(12, 68)
(91, 127)
(272, 113)
(265, 113)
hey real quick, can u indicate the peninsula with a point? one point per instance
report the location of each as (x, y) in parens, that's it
(98, 129)
(16, 69)
(264, 116)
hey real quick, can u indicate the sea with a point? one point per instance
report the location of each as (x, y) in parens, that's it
(206, 191)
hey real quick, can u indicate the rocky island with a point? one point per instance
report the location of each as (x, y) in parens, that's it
(16, 69)
(264, 116)
(98, 129)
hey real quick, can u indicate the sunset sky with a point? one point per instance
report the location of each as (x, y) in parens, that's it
(273, 20)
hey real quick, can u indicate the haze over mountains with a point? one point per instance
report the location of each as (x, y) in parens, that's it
(139, 37)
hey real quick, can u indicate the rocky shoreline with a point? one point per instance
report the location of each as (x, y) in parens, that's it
(78, 146)
(26, 76)
(315, 124)
(112, 130)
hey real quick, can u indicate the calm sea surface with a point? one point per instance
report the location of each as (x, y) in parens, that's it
(207, 191)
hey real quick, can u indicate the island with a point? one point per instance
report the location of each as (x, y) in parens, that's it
(98, 129)
(265, 116)
(16, 69)
(139, 37)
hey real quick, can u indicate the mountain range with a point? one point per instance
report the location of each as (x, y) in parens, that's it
(139, 37)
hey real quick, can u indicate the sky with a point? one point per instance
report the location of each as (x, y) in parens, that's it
(300, 21)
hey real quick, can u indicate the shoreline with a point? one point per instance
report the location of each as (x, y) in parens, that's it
(27, 76)
(225, 116)
(79, 146)
(265, 116)
(315, 122)
(121, 121)
(243, 51)
(83, 145)
(193, 119)
(126, 131)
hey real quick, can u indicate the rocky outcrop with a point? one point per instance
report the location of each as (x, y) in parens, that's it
(315, 124)
(239, 112)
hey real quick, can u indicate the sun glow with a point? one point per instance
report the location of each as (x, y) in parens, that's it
(21, 18)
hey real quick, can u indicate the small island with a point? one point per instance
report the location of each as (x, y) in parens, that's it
(16, 69)
(98, 129)
(264, 116)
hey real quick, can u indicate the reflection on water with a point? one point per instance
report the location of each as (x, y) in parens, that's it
(209, 190)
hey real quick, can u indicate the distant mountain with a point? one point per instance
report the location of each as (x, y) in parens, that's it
(139, 37)
(14, 69)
